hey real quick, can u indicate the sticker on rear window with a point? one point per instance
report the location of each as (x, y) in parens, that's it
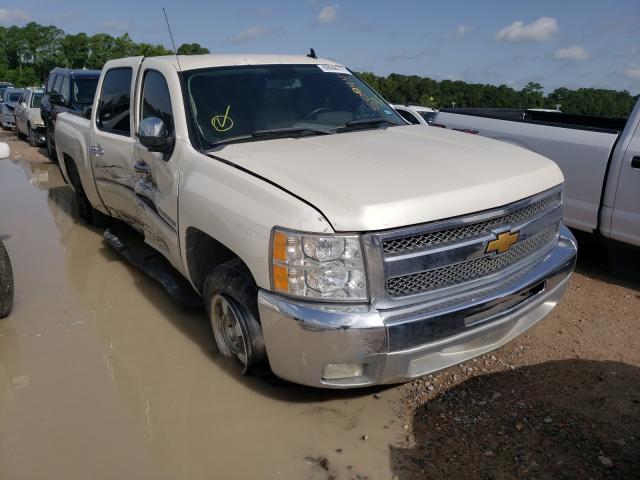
(334, 69)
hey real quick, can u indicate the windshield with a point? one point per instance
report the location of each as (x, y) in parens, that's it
(36, 99)
(13, 96)
(84, 89)
(233, 102)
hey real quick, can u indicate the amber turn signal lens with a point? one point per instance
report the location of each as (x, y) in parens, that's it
(280, 246)
(281, 278)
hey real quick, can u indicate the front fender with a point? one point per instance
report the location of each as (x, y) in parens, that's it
(239, 210)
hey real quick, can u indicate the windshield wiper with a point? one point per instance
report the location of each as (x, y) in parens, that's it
(274, 132)
(291, 131)
(365, 123)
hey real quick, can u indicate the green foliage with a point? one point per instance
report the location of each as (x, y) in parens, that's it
(29, 53)
(431, 93)
(192, 49)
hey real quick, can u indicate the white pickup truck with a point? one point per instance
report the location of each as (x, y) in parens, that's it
(328, 239)
(599, 157)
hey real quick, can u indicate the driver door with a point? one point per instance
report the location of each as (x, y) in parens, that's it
(157, 174)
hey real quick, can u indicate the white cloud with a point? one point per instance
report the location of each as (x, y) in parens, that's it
(572, 53)
(249, 34)
(327, 15)
(631, 72)
(459, 32)
(539, 30)
(9, 16)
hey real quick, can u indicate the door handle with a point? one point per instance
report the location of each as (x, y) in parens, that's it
(97, 150)
(635, 162)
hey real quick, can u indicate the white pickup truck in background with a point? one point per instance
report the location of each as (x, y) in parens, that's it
(328, 239)
(599, 157)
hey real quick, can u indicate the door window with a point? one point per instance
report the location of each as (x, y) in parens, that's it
(156, 101)
(115, 102)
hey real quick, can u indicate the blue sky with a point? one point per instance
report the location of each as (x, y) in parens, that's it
(557, 43)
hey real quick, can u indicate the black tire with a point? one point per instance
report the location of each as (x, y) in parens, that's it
(18, 133)
(6, 282)
(51, 148)
(86, 212)
(232, 280)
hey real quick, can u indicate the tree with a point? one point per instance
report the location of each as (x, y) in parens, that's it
(192, 49)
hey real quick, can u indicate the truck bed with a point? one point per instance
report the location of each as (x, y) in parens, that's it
(538, 117)
(580, 145)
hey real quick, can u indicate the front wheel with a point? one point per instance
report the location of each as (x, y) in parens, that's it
(51, 148)
(231, 300)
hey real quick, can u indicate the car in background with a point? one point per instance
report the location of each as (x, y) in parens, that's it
(3, 87)
(29, 123)
(415, 114)
(66, 91)
(10, 99)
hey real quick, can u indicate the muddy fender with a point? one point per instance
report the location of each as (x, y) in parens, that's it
(6, 282)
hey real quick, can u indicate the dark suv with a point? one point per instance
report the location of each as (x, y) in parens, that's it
(66, 91)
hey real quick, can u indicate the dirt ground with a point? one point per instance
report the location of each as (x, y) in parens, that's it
(101, 376)
(561, 401)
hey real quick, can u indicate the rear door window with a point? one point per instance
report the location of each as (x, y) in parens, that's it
(115, 102)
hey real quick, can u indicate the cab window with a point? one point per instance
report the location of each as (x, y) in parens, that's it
(115, 102)
(156, 101)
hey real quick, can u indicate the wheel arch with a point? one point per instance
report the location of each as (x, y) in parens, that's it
(203, 253)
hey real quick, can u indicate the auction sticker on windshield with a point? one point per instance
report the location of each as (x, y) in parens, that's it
(334, 69)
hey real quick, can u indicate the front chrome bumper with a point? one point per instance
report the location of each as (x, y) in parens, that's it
(396, 346)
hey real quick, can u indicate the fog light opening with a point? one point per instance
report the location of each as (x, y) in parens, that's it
(336, 371)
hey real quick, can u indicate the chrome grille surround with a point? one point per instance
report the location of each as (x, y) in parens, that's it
(434, 272)
(473, 230)
(469, 270)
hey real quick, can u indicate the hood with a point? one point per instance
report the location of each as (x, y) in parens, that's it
(399, 176)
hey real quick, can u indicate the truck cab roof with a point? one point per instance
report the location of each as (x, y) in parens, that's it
(194, 62)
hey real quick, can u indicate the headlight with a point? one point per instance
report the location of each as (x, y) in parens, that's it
(316, 266)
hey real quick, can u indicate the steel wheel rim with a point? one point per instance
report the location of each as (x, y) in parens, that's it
(227, 328)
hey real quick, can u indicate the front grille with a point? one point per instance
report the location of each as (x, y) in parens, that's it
(467, 232)
(469, 270)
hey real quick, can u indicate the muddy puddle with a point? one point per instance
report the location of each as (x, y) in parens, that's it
(102, 376)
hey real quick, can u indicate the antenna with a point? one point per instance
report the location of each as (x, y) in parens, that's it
(175, 51)
(312, 53)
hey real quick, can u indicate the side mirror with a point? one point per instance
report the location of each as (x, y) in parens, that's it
(5, 151)
(86, 113)
(153, 134)
(56, 99)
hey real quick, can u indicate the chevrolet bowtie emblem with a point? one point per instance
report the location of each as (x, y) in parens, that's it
(503, 242)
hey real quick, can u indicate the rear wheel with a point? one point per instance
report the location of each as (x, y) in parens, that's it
(6, 283)
(231, 300)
